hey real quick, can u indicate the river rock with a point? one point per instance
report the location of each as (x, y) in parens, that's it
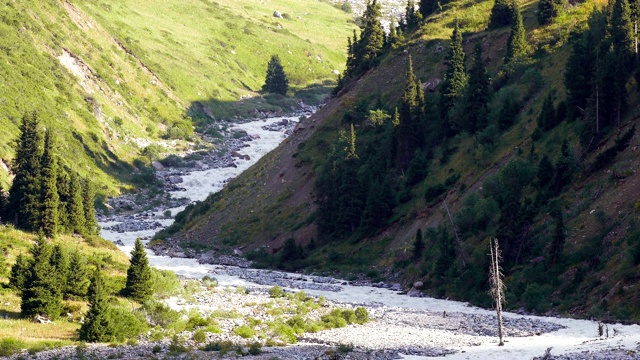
(418, 285)
(175, 179)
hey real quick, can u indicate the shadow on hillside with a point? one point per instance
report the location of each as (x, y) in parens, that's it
(206, 111)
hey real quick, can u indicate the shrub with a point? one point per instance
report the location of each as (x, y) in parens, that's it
(177, 346)
(244, 331)
(196, 320)
(160, 314)
(199, 336)
(10, 346)
(165, 283)
(362, 315)
(284, 332)
(276, 292)
(255, 348)
(125, 324)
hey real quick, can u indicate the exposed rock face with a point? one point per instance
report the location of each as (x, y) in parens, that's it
(277, 14)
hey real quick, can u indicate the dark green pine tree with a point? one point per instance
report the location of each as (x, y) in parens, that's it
(41, 294)
(559, 236)
(517, 47)
(477, 94)
(616, 62)
(411, 109)
(75, 206)
(19, 272)
(412, 18)
(418, 245)
(276, 80)
(88, 197)
(50, 197)
(25, 195)
(372, 37)
(376, 210)
(97, 326)
(64, 192)
(579, 75)
(78, 279)
(60, 262)
(547, 118)
(139, 286)
(545, 173)
(502, 13)
(455, 77)
(428, 7)
(548, 10)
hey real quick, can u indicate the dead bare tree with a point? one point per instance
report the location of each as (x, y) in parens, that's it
(497, 286)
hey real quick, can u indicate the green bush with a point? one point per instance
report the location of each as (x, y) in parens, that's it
(160, 314)
(255, 348)
(196, 320)
(536, 297)
(276, 292)
(199, 336)
(10, 346)
(244, 331)
(126, 325)
(284, 332)
(165, 283)
(362, 315)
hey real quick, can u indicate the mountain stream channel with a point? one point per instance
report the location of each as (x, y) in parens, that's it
(401, 326)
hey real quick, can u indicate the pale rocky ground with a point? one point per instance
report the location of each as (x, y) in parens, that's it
(391, 330)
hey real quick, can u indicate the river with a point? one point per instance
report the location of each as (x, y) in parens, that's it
(578, 335)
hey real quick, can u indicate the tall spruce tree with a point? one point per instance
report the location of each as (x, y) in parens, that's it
(25, 195)
(276, 80)
(372, 37)
(41, 294)
(502, 13)
(412, 18)
(418, 245)
(50, 198)
(78, 279)
(548, 10)
(455, 77)
(19, 272)
(61, 266)
(517, 47)
(88, 197)
(411, 109)
(64, 203)
(139, 286)
(428, 7)
(97, 326)
(547, 118)
(477, 93)
(75, 206)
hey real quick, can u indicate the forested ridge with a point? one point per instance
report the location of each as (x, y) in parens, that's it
(513, 120)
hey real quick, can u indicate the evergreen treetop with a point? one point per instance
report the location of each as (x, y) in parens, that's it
(41, 294)
(517, 47)
(50, 198)
(276, 79)
(502, 13)
(139, 286)
(24, 195)
(455, 76)
(97, 326)
(477, 93)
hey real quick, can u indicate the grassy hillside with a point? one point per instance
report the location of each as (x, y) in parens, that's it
(460, 202)
(193, 45)
(113, 78)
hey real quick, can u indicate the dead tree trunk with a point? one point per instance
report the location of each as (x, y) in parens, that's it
(497, 286)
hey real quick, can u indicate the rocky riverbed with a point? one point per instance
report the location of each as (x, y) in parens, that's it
(391, 331)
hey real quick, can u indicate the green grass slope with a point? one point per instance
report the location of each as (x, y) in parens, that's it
(597, 274)
(101, 104)
(216, 52)
(111, 79)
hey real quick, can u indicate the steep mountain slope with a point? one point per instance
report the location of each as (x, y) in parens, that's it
(562, 201)
(112, 79)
